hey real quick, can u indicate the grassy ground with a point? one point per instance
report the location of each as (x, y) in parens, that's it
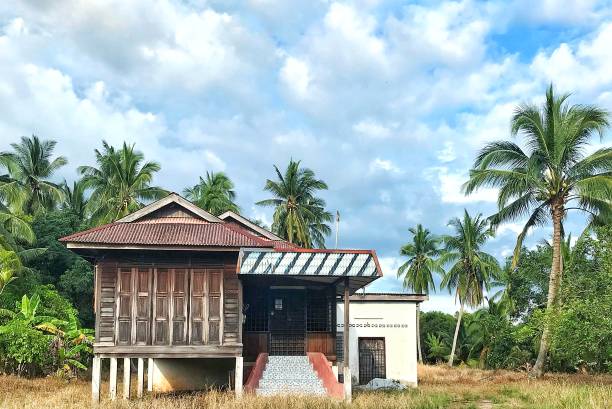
(439, 388)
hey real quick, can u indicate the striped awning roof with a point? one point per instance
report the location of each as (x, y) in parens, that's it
(318, 263)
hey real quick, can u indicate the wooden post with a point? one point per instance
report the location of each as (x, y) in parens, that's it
(238, 374)
(345, 340)
(96, 372)
(140, 389)
(150, 375)
(126, 378)
(113, 379)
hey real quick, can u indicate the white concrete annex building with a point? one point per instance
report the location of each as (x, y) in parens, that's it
(382, 336)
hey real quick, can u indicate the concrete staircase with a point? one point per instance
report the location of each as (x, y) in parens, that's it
(289, 375)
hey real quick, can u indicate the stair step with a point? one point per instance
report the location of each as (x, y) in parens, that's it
(289, 375)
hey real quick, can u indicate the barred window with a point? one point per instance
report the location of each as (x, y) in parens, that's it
(255, 310)
(320, 311)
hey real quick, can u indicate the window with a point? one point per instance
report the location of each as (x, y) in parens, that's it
(255, 310)
(320, 312)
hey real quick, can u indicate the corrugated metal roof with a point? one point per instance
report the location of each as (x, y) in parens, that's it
(179, 234)
(311, 263)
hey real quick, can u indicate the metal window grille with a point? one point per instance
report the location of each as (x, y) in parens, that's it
(256, 310)
(320, 312)
(371, 359)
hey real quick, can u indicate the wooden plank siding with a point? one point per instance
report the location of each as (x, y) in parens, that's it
(152, 307)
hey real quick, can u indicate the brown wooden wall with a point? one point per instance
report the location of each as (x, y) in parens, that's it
(168, 305)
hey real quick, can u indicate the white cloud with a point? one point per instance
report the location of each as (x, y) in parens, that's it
(384, 165)
(372, 129)
(450, 184)
(447, 154)
(583, 67)
(295, 74)
(514, 228)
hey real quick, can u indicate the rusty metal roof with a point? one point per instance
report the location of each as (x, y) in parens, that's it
(168, 234)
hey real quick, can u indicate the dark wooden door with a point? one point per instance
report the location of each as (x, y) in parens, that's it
(371, 359)
(287, 322)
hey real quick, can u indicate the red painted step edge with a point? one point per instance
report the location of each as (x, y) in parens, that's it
(252, 382)
(323, 370)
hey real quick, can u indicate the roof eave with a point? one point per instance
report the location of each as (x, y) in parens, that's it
(115, 246)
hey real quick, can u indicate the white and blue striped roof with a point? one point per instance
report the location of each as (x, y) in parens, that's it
(319, 263)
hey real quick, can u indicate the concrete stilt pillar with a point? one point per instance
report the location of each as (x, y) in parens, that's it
(346, 342)
(140, 389)
(348, 387)
(238, 374)
(112, 389)
(96, 372)
(150, 375)
(126, 378)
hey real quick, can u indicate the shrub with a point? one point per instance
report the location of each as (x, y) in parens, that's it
(23, 349)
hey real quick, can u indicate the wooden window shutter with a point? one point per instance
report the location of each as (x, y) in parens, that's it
(179, 306)
(142, 316)
(161, 306)
(198, 307)
(215, 279)
(124, 307)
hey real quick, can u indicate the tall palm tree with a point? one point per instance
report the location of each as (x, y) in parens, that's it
(418, 270)
(299, 216)
(74, 198)
(550, 176)
(120, 183)
(215, 194)
(470, 269)
(26, 186)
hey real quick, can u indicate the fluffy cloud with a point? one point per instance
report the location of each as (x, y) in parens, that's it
(387, 103)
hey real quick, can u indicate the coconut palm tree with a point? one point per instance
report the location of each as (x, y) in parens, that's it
(299, 216)
(547, 178)
(120, 183)
(74, 199)
(420, 267)
(470, 269)
(26, 186)
(215, 194)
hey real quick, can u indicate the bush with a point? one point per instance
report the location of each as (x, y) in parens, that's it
(23, 349)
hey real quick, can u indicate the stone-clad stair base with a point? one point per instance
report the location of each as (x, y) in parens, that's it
(289, 375)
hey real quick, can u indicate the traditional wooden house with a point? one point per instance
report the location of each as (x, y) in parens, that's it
(196, 298)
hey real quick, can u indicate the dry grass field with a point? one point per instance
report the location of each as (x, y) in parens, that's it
(440, 388)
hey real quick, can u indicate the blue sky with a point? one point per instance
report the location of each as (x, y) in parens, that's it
(386, 101)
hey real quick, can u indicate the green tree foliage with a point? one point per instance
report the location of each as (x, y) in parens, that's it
(10, 265)
(299, 215)
(422, 262)
(470, 270)
(121, 183)
(215, 194)
(438, 324)
(30, 165)
(75, 200)
(59, 266)
(437, 349)
(548, 178)
(582, 333)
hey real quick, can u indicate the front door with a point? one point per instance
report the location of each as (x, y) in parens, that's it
(371, 359)
(287, 322)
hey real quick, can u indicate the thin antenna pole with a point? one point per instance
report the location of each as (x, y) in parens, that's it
(337, 226)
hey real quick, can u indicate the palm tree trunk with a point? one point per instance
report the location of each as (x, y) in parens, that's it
(451, 358)
(418, 332)
(553, 290)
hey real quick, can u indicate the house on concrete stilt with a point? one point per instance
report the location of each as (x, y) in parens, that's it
(195, 300)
